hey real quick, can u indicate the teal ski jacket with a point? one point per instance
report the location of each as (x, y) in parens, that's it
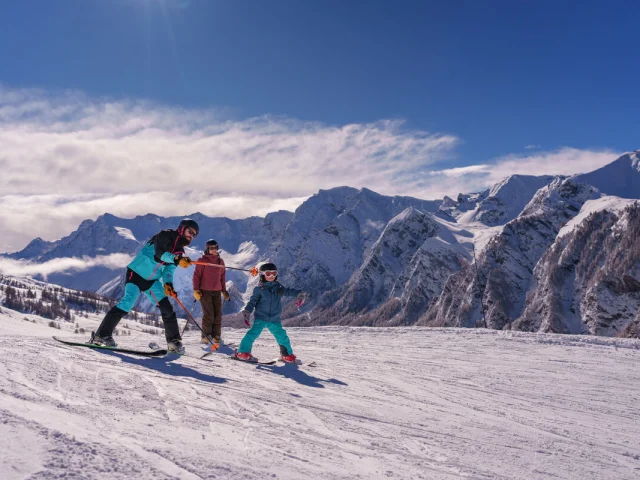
(266, 301)
(159, 257)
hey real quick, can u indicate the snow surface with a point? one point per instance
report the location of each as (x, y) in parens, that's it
(411, 403)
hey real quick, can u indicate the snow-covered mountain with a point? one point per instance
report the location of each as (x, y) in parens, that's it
(499, 204)
(109, 234)
(585, 282)
(370, 259)
(501, 277)
(401, 273)
(331, 232)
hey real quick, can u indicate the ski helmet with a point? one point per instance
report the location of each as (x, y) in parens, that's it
(210, 243)
(188, 223)
(266, 267)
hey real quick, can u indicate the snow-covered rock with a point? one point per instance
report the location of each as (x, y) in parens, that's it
(401, 273)
(498, 205)
(585, 282)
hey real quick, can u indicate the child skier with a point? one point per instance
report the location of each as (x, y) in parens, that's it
(268, 307)
(208, 286)
(156, 261)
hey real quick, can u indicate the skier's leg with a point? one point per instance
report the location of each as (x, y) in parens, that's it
(281, 337)
(207, 312)
(169, 317)
(252, 334)
(113, 316)
(217, 315)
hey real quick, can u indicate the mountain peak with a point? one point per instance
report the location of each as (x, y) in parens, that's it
(620, 178)
(407, 214)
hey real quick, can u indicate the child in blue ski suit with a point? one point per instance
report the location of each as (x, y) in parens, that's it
(266, 301)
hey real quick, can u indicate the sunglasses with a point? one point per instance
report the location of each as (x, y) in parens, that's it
(270, 273)
(192, 232)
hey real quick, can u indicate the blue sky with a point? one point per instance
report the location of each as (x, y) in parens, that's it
(487, 85)
(499, 74)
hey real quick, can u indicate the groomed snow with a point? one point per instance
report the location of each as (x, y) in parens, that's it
(410, 403)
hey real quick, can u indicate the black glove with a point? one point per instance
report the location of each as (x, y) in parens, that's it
(169, 291)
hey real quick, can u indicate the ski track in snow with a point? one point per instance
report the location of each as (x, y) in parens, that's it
(410, 403)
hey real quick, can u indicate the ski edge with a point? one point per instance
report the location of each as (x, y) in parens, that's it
(258, 362)
(150, 353)
(298, 362)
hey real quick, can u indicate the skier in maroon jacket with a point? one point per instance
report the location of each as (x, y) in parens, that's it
(208, 284)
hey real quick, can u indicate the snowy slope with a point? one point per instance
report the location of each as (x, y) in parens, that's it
(481, 404)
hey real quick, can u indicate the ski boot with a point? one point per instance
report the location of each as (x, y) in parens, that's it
(106, 340)
(245, 357)
(175, 346)
(288, 358)
(285, 356)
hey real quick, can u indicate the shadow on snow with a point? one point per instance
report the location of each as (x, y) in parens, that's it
(292, 371)
(166, 365)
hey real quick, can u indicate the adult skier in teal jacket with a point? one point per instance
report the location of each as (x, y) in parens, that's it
(266, 300)
(151, 272)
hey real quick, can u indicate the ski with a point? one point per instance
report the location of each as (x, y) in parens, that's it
(297, 362)
(143, 353)
(253, 362)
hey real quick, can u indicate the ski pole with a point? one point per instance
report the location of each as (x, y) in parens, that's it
(190, 317)
(186, 324)
(253, 271)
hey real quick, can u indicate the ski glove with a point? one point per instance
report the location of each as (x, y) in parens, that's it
(169, 291)
(227, 297)
(246, 316)
(184, 262)
(197, 294)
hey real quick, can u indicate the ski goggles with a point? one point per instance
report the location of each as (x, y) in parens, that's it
(270, 273)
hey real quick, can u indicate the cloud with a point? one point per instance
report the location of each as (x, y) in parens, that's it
(474, 178)
(66, 157)
(114, 261)
(563, 161)
(75, 145)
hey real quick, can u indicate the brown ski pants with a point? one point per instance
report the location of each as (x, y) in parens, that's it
(212, 313)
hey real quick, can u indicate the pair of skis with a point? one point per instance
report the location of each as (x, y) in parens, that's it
(208, 351)
(156, 351)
